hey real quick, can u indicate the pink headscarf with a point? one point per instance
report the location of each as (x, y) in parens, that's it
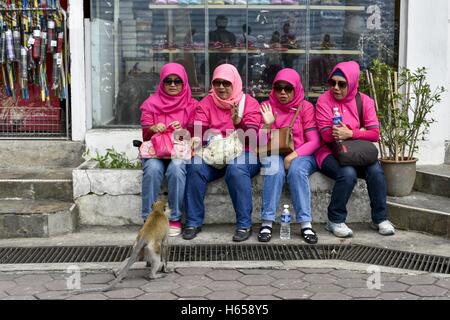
(291, 76)
(227, 72)
(161, 102)
(351, 71)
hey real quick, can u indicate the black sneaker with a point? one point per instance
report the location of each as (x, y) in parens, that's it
(242, 234)
(190, 233)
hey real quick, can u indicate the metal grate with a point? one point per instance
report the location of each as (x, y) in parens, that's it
(224, 252)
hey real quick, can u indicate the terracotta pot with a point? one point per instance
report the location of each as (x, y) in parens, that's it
(400, 176)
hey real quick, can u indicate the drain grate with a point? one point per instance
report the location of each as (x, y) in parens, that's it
(243, 252)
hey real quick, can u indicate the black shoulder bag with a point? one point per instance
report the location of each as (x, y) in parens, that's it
(355, 152)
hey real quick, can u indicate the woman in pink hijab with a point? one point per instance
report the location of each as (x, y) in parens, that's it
(286, 97)
(219, 113)
(341, 97)
(169, 108)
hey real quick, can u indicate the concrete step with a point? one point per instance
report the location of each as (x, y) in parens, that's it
(36, 218)
(36, 184)
(34, 154)
(433, 180)
(421, 212)
(447, 152)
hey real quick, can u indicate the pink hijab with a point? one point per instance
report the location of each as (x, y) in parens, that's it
(291, 76)
(227, 72)
(161, 102)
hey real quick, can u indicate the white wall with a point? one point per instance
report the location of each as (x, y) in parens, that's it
(426, 43)
(121, 140)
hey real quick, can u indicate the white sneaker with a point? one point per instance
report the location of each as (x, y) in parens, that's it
(385, 228)
(339, 229)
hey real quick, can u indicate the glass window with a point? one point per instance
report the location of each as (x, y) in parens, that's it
(132, 40)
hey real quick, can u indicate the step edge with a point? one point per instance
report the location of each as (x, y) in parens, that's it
(400, 205)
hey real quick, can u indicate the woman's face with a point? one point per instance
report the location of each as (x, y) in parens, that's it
(222, 88)
(284, 91)
(339, 87)
(173, 84)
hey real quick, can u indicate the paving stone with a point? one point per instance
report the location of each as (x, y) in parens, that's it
(427, 291)
(193, 281)
(314, 270)
(160, 286)
(224, 274)
(193, 298)
(293, 294)
(258, 290)
(254, 271)
(444, 283)
(417, 279)
(193, 271)
(290, 284)
(351, 283)
(59, 275)
(8, 276)
(56, 285)
(25, 290)
(319, 278)
(191, 292)
(3, 294)
(226, 295)
(33, 279)
(393, 287)
(397, 296)
(225, 285)
(51, 295)
(262, 298)
(157, 296)
(88, 296)
(330, 296)
(347, 274)
(6, 285)
(97, 278)
(389, 277)
(315, 288)
(255, 280)
(435, 298)
(286, 274)
(20, 298)
(132, 283)
(361, 293)
(125, 293)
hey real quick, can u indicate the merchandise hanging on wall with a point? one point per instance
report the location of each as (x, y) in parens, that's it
(34, 80)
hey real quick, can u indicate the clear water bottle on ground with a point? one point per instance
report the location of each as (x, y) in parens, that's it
(285, 230)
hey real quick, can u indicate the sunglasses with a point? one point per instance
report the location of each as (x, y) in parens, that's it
(225, 84)
(287, 89)
(168, 81)
(341, 84)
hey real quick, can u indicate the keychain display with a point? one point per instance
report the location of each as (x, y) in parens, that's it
(31, 37)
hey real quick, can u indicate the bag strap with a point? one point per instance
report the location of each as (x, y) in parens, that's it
(360, 109)
(295, 117)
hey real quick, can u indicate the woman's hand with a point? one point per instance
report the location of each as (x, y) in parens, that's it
(160, 127)
(196, 143)
(288, 159)
(342, 133)
(267, 114)
(235, 114)
(176, 125)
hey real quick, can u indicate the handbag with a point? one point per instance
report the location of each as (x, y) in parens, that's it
(355, 152)
(221, 150)
(146, 150)
(281, 140)
(163, 143)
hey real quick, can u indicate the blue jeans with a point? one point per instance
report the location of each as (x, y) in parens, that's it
(346, 177)
(238, 177)
(298, 179)
(154, 172)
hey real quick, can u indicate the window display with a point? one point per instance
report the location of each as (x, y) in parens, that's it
(132, 40)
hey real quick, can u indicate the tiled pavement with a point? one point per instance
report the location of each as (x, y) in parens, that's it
(201, 283)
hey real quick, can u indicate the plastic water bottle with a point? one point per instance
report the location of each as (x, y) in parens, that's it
(337, 118)
(285, 230)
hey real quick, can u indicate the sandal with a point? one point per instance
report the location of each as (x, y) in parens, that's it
(309, 238)
(265, 236)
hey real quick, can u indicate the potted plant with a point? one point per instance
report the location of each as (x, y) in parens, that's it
(404, 102)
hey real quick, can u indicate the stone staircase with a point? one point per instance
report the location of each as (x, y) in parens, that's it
(36, 188)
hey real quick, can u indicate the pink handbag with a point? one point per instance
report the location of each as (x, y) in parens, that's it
(163, 143)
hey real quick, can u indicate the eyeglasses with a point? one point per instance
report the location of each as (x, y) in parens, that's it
(224, 83)
(341, 84)
(168, 81)
(287, 89)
